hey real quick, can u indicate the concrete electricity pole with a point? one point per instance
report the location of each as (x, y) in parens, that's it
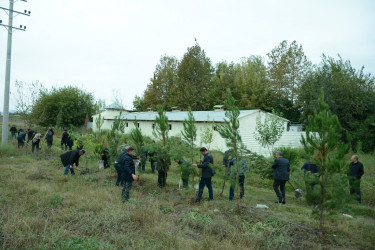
(10, 28)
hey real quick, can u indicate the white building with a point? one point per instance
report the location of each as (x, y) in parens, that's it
(247, 119)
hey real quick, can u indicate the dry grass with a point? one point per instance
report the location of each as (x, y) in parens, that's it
(41, 208)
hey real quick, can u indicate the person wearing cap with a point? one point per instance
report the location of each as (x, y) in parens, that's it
(207, 174)
(70, 158)
(127, 168)
(281, 169)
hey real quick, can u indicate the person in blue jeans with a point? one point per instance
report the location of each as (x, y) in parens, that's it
(242, 168)
(207, 174)
(70, 158)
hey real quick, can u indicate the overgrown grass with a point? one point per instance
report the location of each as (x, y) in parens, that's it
(41, 208)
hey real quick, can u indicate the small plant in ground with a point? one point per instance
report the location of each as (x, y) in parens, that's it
(55, 201)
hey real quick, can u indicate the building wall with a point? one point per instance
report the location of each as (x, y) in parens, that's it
(247, 129)
(108, 113)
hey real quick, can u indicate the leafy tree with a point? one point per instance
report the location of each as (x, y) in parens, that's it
(230, 132)
(74, 103)
(323, 135)
(207, 133)
(161, 89)
(194, 79)
(350, 94)
(287, 68)
(139, 103)
(267, 133)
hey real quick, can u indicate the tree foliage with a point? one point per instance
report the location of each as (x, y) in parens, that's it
(323, 135)
(73, 102)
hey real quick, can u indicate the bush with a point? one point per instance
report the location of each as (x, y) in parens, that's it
(55, 201)
(292, 154)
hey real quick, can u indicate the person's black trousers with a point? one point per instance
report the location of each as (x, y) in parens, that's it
(152, 166)
(35, 145)
(205, 182)
(276, 185)
(355, 188)
(161, 178)
(241, 181)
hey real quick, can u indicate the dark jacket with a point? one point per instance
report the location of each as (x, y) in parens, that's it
(225, 157)
(126, 166)
(242, 169)
(21, 136)
(70, 157)
(49, 135)
(281, 169)
(13, 130)
(205, 166)
(356, 170)
(65, 137)
(313, 168)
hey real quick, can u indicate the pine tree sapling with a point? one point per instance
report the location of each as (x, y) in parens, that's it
(137, 138)
(323, 135)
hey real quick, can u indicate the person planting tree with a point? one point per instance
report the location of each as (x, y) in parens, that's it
(70, 158)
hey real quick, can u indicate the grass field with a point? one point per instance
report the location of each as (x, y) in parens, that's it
(41, 209)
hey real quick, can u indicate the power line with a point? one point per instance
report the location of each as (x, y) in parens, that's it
(11, 29)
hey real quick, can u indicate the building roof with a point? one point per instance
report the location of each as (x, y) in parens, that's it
(200, 116)
(114, 106)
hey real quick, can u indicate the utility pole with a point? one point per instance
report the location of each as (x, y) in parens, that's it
(11, 29)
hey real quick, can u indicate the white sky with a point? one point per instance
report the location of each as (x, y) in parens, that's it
(114, 45)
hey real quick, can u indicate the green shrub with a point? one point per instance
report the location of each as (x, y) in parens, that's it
(7, 150)
(55, 201)
(78, 243)
(292, 154)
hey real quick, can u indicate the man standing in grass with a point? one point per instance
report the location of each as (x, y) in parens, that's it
(128, 171)
(281, 170)
(207, 174)
(70, 158)
(242, 168)
(13, 131)
(355, 173)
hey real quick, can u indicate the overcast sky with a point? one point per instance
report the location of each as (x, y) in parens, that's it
(114, 45)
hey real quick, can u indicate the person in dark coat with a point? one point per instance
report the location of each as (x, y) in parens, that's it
(162, 166)
(186, 169)
(70, 158)
(64, 140)
(13, 131)
(79, 144)
(281, 169)
(30, 135)
(243, 167)
(70, 141)
(49, 137)
(128, 171)
(120, 178)
(105, 157)
(152, 161)
(21, 138)
(311, 176)
(143, 157)
(356, 171)
(207, 174)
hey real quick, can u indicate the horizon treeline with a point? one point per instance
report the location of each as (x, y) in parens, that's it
(287, 82)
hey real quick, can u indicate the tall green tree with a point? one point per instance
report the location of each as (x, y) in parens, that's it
(350, 94)
(74, 103)
(161, 90)
(194, 80)
(287, 68)
(230, 132)
(323, 135)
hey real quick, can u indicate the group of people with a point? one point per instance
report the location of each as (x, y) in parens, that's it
(126, 162)
(311, 170)
(32, 135)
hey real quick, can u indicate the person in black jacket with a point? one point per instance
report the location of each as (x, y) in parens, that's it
(356, 171)
(70, 158)
(21, 138)
(49, 137)
(13, 131)
(30, 135)
(105, 157)
(207, 174)
(64, 140)
(128, 171)
(311, 176)
(281, 169)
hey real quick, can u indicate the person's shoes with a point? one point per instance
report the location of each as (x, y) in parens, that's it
(283, 201)
(277, 201)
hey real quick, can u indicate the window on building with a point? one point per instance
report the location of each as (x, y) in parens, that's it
(138, 124)
(215, 128)
(127, 124)
(170, 126)
(153, 126)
